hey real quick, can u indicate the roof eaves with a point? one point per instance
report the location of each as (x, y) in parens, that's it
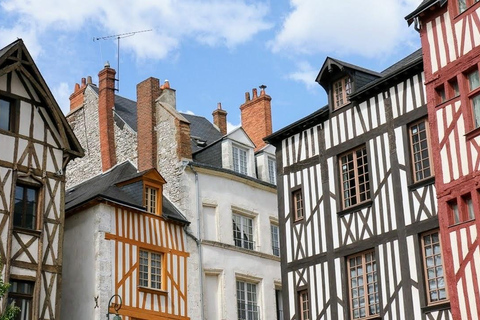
(426, 4)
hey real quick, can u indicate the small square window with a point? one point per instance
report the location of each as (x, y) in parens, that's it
(150, 269)
(25, 212)
(462, 209)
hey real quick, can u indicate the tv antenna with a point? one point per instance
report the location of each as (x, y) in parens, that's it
(118, 37)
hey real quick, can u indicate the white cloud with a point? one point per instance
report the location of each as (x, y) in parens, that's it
(62, 92)
(212, 22)
(231, 126)
(305, 74)
(370, 28)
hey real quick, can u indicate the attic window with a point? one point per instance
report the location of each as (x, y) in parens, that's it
(151, 199)
(341, 89)
(8, 107)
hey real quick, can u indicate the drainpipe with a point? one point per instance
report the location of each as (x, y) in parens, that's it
(198, 240)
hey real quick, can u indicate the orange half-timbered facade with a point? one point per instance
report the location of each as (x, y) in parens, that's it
(135, 247)
(36, 144)
(450, 36)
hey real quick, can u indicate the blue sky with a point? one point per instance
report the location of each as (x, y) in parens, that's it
(211, 50)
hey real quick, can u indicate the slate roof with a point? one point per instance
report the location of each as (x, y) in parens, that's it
(402, 67)
(200, 127)
(103, 186)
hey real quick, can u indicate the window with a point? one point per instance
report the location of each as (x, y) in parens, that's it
(420, 149)
(461, 211)
(441, 97)
(275, 240)
(271, 171)
(433, 266)
(243, 232)
(279, 303)
(151, 201)
(247, 308)
(354, 177)
(464, 4)
(8, 108)
(474, 96)
(303, 302)
(150, 270)
(341, 89)
(25, 212)
(363, 285)
(22, 293)
(239, 160)
(297, 198)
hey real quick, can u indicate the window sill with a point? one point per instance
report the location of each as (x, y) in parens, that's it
(436, 307)
(421, 183)
(355, 208)
(472, 134)
(153, 291)
(461, 225)
(36, 233)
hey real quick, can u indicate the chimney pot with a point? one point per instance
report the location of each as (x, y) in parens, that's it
(262, 89)
(89, 80)
(219, 106)
(247, 96)
(107, 64)
(77, 87)
(255, 93)
(84, 82)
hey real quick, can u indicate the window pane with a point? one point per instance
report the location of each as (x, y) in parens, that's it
(4, 114)
(473, 80)
(476, 110)
(462, 6)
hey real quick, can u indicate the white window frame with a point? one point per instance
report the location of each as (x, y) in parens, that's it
(239, 154)
(241, 227)
(247, 300)
(271, 165)
(148, 274)
(275, 236)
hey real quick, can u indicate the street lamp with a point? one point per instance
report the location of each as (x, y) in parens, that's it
(116, 306)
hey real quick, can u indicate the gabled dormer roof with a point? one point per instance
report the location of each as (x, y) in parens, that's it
(119, 185)
(16, 58)
(332, 68)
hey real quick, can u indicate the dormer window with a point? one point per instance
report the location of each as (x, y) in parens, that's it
(341, 89)
(151, 199)
(239, 160)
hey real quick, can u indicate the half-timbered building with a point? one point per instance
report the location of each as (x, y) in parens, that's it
(357, 200)
(223, 182)
(36, 145)
(124, 237)
(450, 37)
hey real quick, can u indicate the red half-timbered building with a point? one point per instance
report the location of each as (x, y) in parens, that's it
(450, 36)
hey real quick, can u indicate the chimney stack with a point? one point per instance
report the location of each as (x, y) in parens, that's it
(220, 119)
(76, 98)
(106, 103)
(147, 92)
(256, 116)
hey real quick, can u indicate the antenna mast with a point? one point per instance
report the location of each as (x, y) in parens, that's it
(118, 37)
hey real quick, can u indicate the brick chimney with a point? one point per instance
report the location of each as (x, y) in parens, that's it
(76, 98)
(256, 116)
(106, 103)
(147, 92)
(220, 119)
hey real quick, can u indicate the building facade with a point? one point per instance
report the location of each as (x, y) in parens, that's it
(449, 32)
(357, 200)
(37, 144)
(224, 183)
(130, 241)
